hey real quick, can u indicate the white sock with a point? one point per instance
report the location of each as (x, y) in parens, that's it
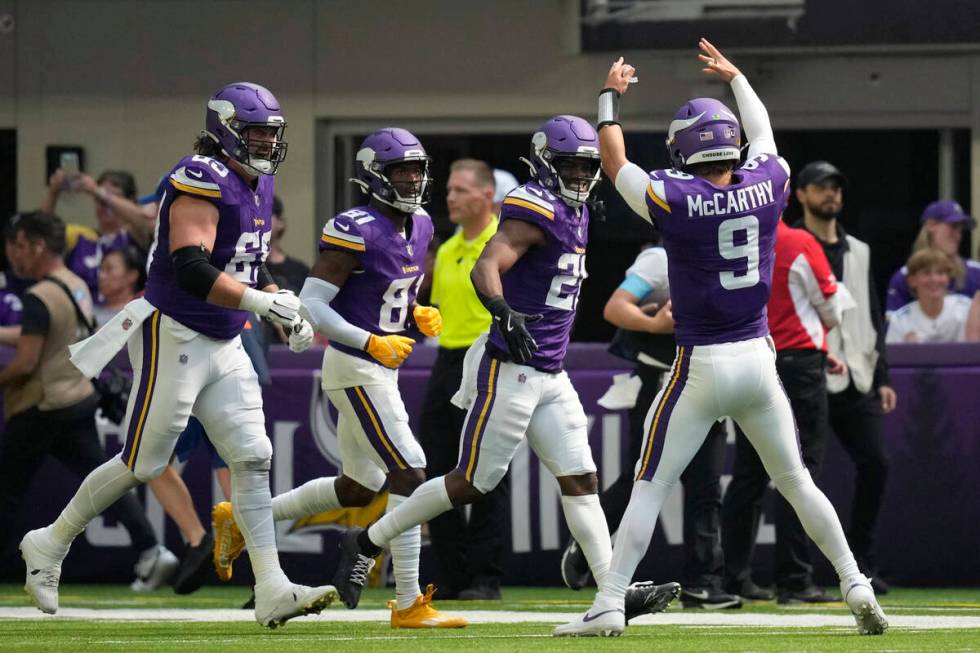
(405, 549)
(427, 501)
(251, 502)
(632, 540)
(587, 524)
(308, 499)
(818, 518)
(101, 488)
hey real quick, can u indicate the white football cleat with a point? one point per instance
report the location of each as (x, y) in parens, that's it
(860, 598)
(43, 573)
(274, 606)
(154, 569)
(605, 623)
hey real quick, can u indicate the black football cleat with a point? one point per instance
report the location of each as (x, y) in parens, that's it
(352, 570)
(647, 598)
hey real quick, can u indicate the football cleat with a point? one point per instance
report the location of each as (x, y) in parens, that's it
(353, 568)
(43, 573)
(603, 623)
(860, 598)
(709, 598)
(228, 540)
(194, 568)
(647, 598)
(155, 568)
(574, 567)
(421, 614)
(276, 605)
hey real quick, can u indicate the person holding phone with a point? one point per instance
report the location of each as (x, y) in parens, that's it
(120, 222)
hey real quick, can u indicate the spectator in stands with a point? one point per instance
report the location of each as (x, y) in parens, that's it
(943, 224)
(122, 275)
(119, 220)
(49, 405)
(859, 398)
(468, 550)
(936, 315)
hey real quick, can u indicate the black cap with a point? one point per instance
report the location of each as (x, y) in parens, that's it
(818, 171)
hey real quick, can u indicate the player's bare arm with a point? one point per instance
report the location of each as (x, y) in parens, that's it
(193, 229)
(512, 240)
(624, 311)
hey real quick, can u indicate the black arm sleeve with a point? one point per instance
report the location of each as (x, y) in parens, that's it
(195, 274)
(36, 319)
(264, 278)
(881, 376)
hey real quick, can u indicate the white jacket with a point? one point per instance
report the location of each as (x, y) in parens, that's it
(854, 339)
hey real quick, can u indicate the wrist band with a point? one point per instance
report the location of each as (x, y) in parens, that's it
(608, 108)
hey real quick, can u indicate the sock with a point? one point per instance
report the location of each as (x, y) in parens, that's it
(818, 518)
(427, 501)
(632, 541)
(251, 503)
(588, 527)
(405, 549)
(308, 499)
(101, 488)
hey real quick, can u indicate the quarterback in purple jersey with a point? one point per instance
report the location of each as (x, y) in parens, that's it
(513, 386)
(360, 294)
(718, 220)
(206, 272)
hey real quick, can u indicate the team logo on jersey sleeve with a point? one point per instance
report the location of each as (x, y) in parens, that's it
(410, 249)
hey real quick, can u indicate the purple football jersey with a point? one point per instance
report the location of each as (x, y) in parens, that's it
(719, 243)
(11, 309)
(546, 279)
(378, 296)
(85, 258)
(240, 246)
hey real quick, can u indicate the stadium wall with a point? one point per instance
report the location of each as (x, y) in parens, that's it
(127, 79)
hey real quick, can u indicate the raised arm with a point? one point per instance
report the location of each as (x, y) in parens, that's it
(630, 179)
(755, 118)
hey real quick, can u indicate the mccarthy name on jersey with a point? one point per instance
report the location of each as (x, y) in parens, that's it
(741, 200)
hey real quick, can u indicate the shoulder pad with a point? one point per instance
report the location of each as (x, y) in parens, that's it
(345, 231)
(528, 201)
(199, 176)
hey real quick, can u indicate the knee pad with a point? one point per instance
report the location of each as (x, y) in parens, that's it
(144, 471)
(256, 456)
(791, 482)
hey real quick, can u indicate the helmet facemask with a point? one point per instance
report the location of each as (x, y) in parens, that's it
(405, 195)
(577, 176)
(259, 146)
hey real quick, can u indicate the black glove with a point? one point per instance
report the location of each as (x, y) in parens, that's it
(512, 327)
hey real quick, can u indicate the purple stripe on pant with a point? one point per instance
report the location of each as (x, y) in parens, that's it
(654, 447)
(151, 340)
(374, 428)
(476, 421)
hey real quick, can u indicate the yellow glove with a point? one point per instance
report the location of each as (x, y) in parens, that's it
(390, 351)
(428, 319)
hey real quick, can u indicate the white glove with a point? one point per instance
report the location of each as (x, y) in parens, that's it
(280, 306)
(300, 335)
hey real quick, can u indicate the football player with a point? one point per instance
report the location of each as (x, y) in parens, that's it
(361, 295)
(528, 277)
(206, 272)
(718, 222)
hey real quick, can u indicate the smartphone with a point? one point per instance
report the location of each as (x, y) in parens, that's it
(69, 165)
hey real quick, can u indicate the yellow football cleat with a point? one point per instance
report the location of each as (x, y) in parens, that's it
(421, 614)
(228, 540)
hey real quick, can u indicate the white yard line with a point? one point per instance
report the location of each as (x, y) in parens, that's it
(691, 619)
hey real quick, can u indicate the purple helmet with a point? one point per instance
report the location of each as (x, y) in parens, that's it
(235, 108)
(703, 130)
(384, 148)
(565, 137)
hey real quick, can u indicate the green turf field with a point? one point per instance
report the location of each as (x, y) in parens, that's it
(25, 632)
